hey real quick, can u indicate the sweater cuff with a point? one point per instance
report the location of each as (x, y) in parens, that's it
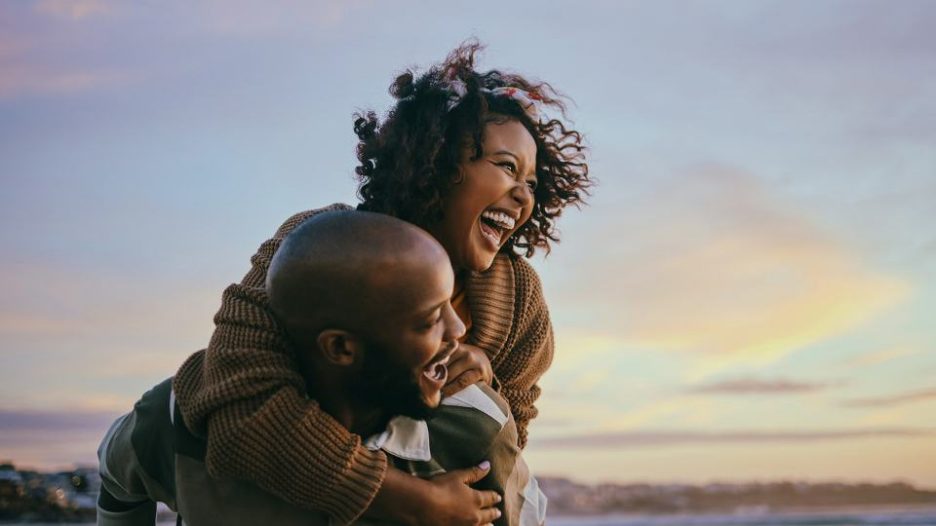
(352, 494)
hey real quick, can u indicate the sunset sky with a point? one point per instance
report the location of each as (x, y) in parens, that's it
(749, 295)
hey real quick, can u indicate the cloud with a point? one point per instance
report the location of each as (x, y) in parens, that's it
(246, 18)
(759, 386)
(683, 409)
(52, 439)
(899, 399)
(26, 420)
(682, 437)
(74, 9)
(97, 337)
(881, 356)
(31, 79)
(711, 261)
(51, 301)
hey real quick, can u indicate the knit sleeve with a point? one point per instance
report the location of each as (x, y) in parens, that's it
(245, 394)
(529, 350)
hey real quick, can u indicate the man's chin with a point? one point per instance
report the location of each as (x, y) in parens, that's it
(420, 411)
(433, 401)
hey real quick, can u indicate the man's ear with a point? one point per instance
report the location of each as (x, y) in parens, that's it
(339, 347)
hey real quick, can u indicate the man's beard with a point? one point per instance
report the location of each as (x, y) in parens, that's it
(389, 386)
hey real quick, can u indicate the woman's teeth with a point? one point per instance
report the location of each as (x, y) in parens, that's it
(499, 219)
(495, 224)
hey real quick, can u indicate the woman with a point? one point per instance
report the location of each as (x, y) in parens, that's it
(466, 156)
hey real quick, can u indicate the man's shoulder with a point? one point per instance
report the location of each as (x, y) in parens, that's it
(482, 398)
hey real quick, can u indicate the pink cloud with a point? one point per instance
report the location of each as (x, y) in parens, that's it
(31, 80)
(760, 386)
(892, 400)
(74, 9)
(680, 437)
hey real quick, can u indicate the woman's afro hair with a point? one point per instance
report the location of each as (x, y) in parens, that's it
(409, 162)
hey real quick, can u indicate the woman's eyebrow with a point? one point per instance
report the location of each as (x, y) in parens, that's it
(507, 152)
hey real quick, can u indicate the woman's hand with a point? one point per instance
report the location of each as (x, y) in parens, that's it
(457, 503)
(444, 499)
(467, 366)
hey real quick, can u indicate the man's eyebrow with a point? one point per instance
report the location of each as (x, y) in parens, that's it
(434, 308)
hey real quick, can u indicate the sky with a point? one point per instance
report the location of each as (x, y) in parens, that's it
(748, 294)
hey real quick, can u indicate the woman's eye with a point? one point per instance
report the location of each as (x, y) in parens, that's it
(511, 167)
(532, 183)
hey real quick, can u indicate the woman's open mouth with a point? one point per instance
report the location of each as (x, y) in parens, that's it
(496, 225)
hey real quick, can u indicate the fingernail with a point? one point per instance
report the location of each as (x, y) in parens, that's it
(498, 512)
(498, 498)
(485, 465)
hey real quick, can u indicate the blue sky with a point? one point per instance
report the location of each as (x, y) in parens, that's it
(749, 294)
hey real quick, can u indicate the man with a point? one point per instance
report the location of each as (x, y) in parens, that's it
(365, 300)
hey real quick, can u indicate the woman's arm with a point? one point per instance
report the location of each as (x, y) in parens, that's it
(244, 392)
(528, 351)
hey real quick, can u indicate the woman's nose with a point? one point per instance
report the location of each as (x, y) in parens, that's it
(523, 194)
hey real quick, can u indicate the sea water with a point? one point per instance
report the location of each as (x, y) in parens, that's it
(909, 517)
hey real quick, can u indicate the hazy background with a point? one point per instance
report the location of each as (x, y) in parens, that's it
(750, 294)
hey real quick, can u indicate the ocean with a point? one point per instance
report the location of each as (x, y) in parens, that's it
(882, 517)
(925, 516)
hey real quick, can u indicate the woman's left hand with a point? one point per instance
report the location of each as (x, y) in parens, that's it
(467, 366)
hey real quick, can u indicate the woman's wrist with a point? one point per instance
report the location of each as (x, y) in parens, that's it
(400, 497)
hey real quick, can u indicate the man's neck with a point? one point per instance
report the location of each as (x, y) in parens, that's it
(357, 417)
(360, 421)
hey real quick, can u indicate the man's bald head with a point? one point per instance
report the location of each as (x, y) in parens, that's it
(347, 270)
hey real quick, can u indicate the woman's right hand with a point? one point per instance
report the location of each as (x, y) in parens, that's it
(443, 499)
(457, 503)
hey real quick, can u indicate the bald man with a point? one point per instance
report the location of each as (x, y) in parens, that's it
(365, 300)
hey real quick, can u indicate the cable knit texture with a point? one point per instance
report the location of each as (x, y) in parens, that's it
(244, 392)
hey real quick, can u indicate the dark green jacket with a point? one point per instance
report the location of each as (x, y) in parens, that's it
(148, 455)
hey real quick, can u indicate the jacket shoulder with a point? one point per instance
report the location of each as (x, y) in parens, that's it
(297, 219)
(527, 280)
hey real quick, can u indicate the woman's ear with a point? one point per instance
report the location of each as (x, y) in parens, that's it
(339, 347)
(459, 175)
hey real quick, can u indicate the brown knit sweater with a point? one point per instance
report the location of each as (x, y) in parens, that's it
(244, 392)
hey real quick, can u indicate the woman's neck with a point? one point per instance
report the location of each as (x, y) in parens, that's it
(460, 276)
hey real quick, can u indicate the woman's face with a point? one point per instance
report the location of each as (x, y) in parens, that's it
(493, 199)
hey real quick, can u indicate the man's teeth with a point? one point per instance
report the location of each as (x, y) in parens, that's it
(437, 371)
(502, 220)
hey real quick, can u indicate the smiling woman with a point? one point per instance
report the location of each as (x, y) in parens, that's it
(493, 198)
(468, 157)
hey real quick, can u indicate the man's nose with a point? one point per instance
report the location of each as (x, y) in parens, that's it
(454, 327)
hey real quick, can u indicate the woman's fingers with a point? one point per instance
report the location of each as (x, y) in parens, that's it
(487, 498)
(487, 501)
(473, 474)
(468, 366)
(463, 380)
(488, 515)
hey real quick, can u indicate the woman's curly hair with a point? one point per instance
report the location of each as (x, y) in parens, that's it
(409, 162)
